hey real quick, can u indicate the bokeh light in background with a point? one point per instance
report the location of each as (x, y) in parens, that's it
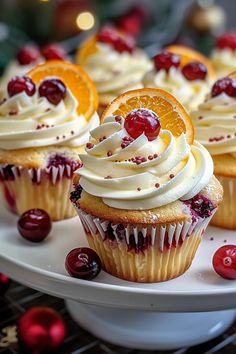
(85, 21)
(69, 21)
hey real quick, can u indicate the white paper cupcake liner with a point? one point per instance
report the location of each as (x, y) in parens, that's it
(47, 189)
(160, 234)
(36, 174)
(226, 214)
(163, 252)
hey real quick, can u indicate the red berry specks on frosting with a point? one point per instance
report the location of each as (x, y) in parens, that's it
(227, 40)
(119, 42)
(166, 60)
(28, 55)
(20, 84)
(226, 85)
(194, 70)
(140, 121)
(54, 52)
(53, 89)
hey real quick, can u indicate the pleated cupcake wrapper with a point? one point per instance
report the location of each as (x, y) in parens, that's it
(226, 214)
(172, 233)
(47, 189)
(36, 174)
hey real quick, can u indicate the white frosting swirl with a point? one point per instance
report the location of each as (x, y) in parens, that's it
(189, 93)
(215, 124)
(224, 61)
(179, 170)
(27, 122)
(14, 69)
(114, 73)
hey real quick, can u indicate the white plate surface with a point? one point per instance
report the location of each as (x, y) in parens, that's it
(41, 266)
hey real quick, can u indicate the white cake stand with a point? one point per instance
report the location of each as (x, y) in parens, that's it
(189, 310)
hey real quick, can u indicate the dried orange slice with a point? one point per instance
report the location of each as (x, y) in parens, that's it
(188, 54)
(75, 78)
(87, 48)
(172, 114)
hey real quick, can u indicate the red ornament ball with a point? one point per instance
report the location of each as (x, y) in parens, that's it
(224, 261)
(34, 225)
(5, 282)
(41, 329)
(140, 121)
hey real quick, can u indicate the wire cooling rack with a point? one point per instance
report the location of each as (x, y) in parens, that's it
(20, 298)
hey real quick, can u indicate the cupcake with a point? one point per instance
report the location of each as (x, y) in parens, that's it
(224, 54)
(186, 76)
(29, 56)
(146, 191)
(45, 119)
(114, 63)
(215, 128)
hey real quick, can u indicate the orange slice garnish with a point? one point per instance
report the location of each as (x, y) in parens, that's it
(75, 78)
(172, 114)
(88, 47)
(188, 54)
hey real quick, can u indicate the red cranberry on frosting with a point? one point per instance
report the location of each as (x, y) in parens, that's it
(140, 121)
(194, 70)
(53, 89)
(20, 84)
(227, 40)
(166, 60)
(226, 85)
(120, 43)
(28, 55)
(54, 52)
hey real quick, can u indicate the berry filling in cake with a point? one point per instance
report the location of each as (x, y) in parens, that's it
(200, 206)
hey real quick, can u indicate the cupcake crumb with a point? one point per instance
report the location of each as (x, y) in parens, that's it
(211, 238)
(171, 175)
(108, 177)
(139, 189)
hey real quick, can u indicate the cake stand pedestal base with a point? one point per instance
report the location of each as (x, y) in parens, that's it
(150, 330)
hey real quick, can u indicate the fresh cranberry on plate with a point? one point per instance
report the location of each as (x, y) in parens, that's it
(34, 225)
(224, 261)
(83, 263)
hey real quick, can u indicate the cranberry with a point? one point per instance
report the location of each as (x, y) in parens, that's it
(53, 89)
(124, 44)
(227, 85)
(34, 225)
(5, 282)
(110, 35)
(20, 84)
(227, 40)
(141, 121)
(166, 60)
(83, 263)
(194, 71)
(54, 51)
(200, 205)
(27, 55)
(224, 261)
(107, 35)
